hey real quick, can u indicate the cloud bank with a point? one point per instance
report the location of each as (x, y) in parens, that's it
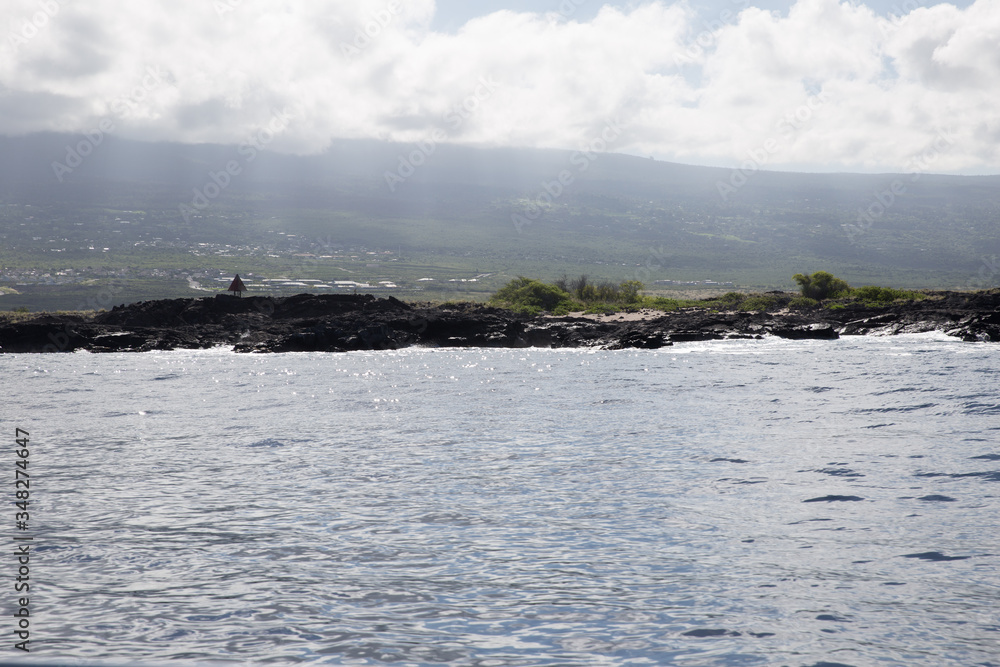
(828, 86)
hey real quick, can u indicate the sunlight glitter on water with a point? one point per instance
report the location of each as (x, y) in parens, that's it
(738, 503)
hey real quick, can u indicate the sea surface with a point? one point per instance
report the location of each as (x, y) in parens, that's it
(732, 503)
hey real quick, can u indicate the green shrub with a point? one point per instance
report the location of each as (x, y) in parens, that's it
(758, 302)
(663, 303)
(524, 294)
(601, 293)
(728, 301)
(733, 299)
(821, 285)
(628, 291)
(582, 289)
(562, 309)
(872, 295)
(803, 302)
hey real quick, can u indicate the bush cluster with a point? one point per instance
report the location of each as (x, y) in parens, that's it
(821, 285)
(587, 292)
(564, 295)
(871, 295)
(531, 296)
(803, 302)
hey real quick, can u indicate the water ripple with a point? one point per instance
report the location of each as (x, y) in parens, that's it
(726, 503)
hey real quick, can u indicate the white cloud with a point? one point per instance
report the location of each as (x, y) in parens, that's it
(830, 85)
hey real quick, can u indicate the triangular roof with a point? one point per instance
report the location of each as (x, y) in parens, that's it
(237, 285)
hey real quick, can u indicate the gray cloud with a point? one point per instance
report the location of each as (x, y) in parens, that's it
(830, 85)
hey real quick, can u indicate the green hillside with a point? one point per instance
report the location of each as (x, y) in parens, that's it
(127, 223)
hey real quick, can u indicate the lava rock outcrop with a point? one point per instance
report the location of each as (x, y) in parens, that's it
(339, 323)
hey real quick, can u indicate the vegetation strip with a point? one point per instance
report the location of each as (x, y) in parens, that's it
(564, 296)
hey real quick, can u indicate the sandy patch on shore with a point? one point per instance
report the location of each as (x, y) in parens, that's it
(640, 316)
(647, 314)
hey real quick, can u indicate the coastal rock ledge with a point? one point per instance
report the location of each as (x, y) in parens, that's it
(339, 323)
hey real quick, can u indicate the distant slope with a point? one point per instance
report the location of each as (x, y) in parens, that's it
(505, 210)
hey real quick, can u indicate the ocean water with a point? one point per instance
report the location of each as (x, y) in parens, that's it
(730, 503)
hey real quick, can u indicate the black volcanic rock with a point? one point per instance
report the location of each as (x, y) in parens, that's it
(821, 330)
(341, 322)
(638, 337)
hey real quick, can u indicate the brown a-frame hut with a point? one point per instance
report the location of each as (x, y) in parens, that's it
(237, 287)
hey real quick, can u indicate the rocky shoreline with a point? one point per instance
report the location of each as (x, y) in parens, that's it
(338, 323)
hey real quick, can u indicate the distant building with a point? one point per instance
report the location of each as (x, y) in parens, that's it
(237, 287)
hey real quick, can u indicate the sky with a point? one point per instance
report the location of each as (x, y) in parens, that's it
(815, 85)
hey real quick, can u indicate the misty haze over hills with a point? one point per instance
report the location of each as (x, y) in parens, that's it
(504, 211)
(30, 160)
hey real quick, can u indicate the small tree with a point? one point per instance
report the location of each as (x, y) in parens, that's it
(606, 292)
(629, 290)
(531, 295)
(821, 285)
